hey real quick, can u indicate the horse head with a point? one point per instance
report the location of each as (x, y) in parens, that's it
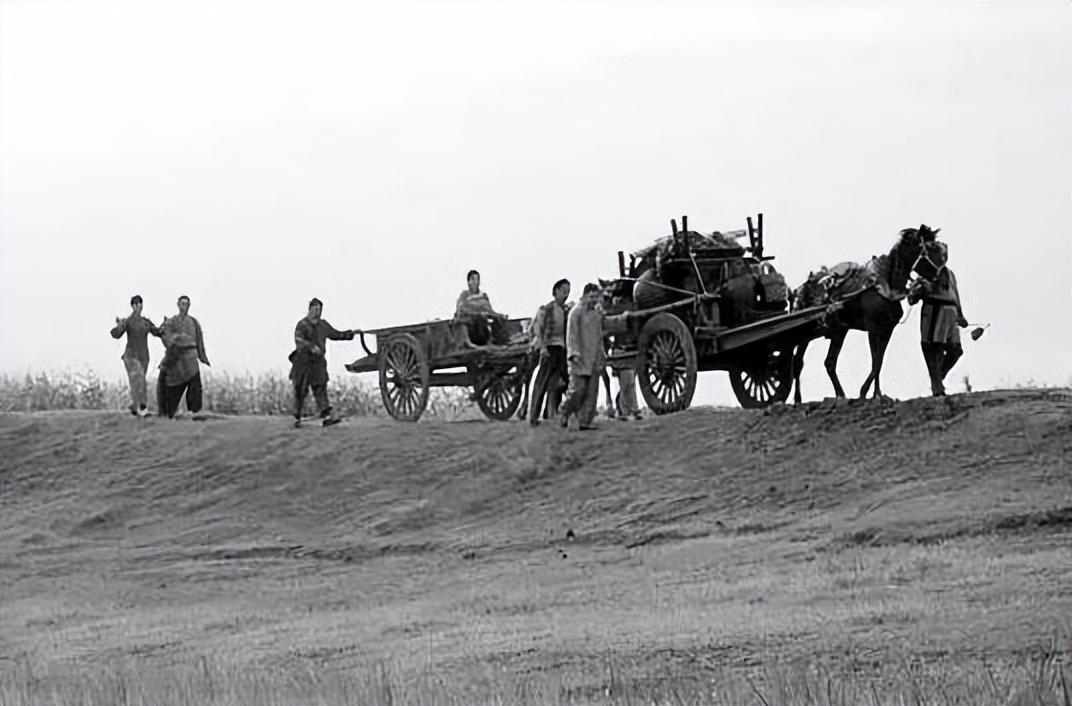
(916, 250)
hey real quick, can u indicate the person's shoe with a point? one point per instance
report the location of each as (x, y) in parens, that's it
(133, 411)
(143, 412)
(534, 422)
(588, 427)
(297, 424)
(330, 421)
(638, 416)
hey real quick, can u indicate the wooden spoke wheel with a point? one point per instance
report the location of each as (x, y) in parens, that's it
(403, 377)
(666, 363)
(498, 392)
(764, 384)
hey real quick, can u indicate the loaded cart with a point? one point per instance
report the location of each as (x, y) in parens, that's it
(705, 302)
(413, 359)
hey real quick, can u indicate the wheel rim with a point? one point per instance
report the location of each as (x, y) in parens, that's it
(759, 387)
(667, 367)
(500, 395)
(666, 364)
(403, 380)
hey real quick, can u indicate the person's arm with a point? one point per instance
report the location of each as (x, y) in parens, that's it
(618, 323)
(336, 335)
(120, 327)
(961, 320)
(573, 336)
(154, 329)
(537, 329)
(201, 355)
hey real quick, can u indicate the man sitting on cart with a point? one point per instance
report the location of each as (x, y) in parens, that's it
(484, 324)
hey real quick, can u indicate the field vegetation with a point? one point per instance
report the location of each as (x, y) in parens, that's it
(831, 554)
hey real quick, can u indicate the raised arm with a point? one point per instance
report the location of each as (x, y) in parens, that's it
(336, 335)
(120, 328)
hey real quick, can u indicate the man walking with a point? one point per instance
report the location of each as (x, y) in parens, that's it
(586, 359)
(136, 355)
(309, 366)
(179, 371)
(549, 338)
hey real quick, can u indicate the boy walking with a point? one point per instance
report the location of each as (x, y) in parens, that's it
(136, 355)
(586, 360)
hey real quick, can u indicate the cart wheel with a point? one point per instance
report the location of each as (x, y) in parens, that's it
(761, 386)
(403, 377)
(666, 364)
(498, 393)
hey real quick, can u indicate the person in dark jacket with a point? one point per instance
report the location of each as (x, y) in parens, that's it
(309, 366)
(136, 355)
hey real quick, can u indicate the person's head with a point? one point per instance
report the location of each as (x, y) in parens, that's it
(316, 308)
(473, 280)
(592, 294)
(135, 304)
(184, 304)
(561, 290)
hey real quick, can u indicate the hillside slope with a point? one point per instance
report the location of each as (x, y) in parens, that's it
(706, 539)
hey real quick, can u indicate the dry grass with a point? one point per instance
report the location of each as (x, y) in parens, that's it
(224, 393)
(865, 553)
(1041, 680)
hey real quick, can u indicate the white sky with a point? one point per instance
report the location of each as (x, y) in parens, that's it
(253, 155)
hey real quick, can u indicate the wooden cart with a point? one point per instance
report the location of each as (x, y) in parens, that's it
(725, 310)
(413, 359)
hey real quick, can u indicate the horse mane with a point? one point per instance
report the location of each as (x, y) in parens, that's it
(896, 266)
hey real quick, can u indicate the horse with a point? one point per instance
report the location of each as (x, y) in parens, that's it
(875, 310)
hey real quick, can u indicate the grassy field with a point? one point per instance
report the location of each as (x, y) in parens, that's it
(853, 553)
(224, 393)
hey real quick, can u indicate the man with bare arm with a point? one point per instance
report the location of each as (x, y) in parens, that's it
(179, 371)
(549, 339)
(136, 355)
(309, 366)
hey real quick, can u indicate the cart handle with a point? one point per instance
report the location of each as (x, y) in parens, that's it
(361, 335)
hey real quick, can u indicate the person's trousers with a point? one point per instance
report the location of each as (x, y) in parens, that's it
(627, 390)
(582, 398)
(548, 382)
(173, 394)
(320, 396)
(136, 378)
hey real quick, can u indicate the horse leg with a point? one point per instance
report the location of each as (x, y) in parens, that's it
(837, 340)
(878, 341)
(606, 384)
(798, 365)
(531, 363)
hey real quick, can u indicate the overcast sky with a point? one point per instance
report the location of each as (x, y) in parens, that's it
(253, 155)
